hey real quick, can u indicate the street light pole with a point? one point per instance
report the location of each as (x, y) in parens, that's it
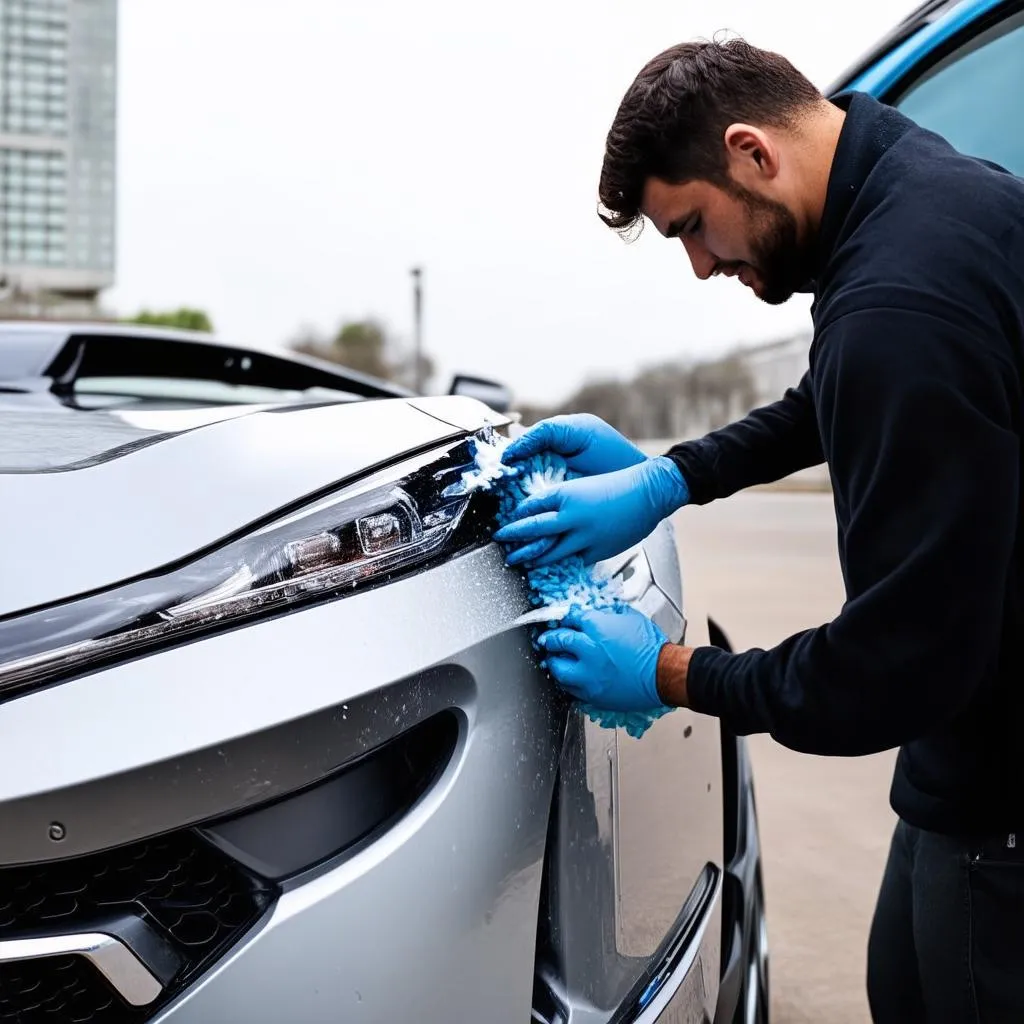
(417, 306)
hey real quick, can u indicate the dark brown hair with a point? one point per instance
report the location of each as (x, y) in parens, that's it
(672, 120)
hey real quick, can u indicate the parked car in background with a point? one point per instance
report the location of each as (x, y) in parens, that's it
(276, 745)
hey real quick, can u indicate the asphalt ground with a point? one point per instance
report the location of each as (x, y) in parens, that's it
(767, 566)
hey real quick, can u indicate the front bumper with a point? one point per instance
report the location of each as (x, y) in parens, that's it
(429, 922)
(446, 895)
(435, 919)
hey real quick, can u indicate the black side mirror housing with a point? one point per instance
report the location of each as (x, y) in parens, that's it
(490, 392)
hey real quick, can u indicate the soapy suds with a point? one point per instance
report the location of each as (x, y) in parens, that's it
(566, 583)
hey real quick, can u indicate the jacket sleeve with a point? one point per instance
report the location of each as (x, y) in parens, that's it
(921, 421)
(768, 444)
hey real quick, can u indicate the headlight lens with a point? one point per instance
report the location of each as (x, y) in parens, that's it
(367, 533)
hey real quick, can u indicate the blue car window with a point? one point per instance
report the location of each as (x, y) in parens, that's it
(970, 97)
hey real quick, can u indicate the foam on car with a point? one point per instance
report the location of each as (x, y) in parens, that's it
(567, 582)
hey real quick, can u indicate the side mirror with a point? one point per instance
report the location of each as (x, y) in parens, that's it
(490, 392)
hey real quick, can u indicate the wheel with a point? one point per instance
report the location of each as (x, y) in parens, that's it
(754, 1004)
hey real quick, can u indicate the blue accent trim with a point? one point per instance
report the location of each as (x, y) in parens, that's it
(649, 992)
(895, 64)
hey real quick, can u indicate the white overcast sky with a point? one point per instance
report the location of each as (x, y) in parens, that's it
(287, 163)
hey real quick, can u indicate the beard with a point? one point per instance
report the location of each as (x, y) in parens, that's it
(783, 264)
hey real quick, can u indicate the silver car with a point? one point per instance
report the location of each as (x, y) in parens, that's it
(276, 747)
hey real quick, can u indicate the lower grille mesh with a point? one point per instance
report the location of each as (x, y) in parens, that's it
(188, 892)
(62, 990)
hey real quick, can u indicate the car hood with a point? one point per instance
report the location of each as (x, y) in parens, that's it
(89, 503)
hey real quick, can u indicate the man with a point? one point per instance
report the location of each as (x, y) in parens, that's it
(915, 256)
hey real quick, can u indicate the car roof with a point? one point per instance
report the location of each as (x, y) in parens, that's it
(59, 352)
(928, 12)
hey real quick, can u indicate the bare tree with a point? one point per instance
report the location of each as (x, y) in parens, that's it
(366, 346)
(666, 400)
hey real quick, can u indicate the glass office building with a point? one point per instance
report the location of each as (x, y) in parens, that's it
(58, 92)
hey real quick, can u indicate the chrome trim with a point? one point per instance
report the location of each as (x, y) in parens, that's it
(753, 995)
(671, 985)
(111, 957)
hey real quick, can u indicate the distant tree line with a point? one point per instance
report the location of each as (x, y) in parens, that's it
(184, 318)
(667, 400)
(366, 346)
(362, 345)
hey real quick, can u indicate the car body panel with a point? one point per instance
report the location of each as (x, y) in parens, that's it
(40, 435)
(215, 691)
(459, 411)
(429, 922)
(474, 909)
(638, 821)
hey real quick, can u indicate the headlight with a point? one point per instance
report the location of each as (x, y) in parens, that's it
(367, 533)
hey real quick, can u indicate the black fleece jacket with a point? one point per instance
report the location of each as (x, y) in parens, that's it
(913, 398)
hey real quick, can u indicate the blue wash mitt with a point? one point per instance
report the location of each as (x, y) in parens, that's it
(567, 582)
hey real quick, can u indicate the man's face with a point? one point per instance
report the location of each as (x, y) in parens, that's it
(732, 231)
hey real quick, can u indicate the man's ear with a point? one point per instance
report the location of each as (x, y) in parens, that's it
(751, 152)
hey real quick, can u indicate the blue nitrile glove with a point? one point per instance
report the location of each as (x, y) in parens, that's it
(606, 658)
(586, 442)
(595, 517)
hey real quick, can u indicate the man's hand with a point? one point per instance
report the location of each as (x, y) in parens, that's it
(588, 444)
(595, 517)
(607, 658)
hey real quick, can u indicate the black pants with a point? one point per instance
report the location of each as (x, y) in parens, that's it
(947, 940)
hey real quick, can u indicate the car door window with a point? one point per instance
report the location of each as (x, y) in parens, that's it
(971, 96)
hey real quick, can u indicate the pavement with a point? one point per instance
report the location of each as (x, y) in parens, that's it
(766, 563)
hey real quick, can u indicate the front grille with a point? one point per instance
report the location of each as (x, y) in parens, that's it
(61, 990)
(191, 895)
